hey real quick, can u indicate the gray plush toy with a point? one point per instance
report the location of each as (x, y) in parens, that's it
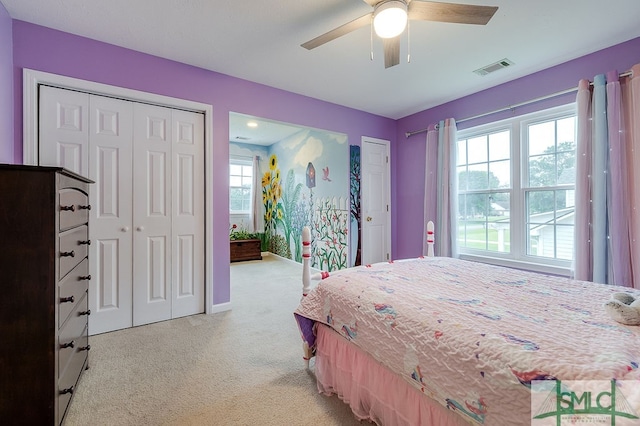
(624, 308)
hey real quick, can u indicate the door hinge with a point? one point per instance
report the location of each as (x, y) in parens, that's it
(387, 159)
(387, 207)
(387, 256)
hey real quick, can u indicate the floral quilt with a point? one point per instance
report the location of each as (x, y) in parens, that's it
(474, 336)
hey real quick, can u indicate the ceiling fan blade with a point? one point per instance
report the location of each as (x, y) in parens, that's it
(450, 12)
(371, 3)
(338, 32)
(391, 51)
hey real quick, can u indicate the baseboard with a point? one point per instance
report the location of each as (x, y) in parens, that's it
(220, 307)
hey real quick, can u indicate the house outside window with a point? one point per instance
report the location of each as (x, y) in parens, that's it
(240, 181)
(516, 191)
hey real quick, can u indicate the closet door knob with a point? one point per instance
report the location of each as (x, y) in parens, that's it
(87, 242)
(140, 228)
(68, 208)
(71, 344)
(69, 299)
(67, 390)
(87, 207)
(68, 254)
(125, 229)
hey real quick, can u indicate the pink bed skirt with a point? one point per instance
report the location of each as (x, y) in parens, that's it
(373, 392)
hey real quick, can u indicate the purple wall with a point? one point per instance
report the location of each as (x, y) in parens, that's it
(409, 154)
(44, 49)
(6, 87)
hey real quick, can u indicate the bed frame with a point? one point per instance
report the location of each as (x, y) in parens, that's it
(307, 277)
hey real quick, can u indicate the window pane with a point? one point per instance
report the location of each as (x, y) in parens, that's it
(477, 150)
(462, 178)
(499, 146)
(567, 168)
(462, 152)
(564, 242)
(235, 169)
(247, 171)
(542, 170)
(498, 224)
(566, 130)
(500, 174)
(540, 206)
(235, 181)
(477, 177)
(246, 181)
(542, 138)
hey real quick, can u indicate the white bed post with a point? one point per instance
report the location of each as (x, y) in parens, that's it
(306, 282)
(306, 258)
(430, 239)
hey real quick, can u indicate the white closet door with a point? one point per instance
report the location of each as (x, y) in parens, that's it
(188, 213)
(152, 289)
(63, 129)
(110, 165)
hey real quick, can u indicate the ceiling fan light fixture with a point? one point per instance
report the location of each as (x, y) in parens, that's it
(390, 18)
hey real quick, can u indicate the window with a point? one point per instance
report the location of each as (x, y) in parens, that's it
(240, 181)
(516, 186)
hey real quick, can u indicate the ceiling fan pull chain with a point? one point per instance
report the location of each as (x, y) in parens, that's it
(409, 41)
(371, 37)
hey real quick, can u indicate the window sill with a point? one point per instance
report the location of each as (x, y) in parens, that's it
(519, 264)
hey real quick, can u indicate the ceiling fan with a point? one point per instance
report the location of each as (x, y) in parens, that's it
(390, 19)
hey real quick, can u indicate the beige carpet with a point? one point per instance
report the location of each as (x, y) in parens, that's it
(241, 367)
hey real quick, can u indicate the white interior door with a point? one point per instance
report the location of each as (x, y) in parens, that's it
(64, 119)
(110, 166)
(187, 213)
(152, 290)
(375, 201)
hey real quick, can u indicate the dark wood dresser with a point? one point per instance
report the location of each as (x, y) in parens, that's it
(44, 274)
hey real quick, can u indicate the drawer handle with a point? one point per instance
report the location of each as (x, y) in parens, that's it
(67, 390)
(84, 278)
(88, 312)
(70, 208)
(68, 254)
(87, 242)
(71, 344)
(87, 207)
(67, 299)
(85, 348)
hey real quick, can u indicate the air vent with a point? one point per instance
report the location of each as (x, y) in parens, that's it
(242, 138)
(494, 67)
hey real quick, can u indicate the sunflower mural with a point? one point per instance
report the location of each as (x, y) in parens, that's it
(271, 195)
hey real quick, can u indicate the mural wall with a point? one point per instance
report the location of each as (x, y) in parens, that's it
(305, 181)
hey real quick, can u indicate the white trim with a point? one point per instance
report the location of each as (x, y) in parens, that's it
(32, 79)
(220, 307)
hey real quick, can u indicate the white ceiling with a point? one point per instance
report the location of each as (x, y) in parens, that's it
(260, 41)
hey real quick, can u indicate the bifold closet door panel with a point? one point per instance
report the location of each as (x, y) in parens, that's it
(188, 213)
(152, 193)
(64, 129)
(110, 165)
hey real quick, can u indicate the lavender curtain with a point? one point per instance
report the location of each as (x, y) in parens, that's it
(441, 188)
(603, 236)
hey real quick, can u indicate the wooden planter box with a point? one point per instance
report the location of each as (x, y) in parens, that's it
(245, 250)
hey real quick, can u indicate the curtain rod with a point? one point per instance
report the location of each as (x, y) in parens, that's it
(512, 107)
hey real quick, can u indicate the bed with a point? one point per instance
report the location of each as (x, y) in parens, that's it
(443, 341)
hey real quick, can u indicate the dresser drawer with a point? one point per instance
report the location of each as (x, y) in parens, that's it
(68, 379)
(73, 248)
(73, 335)
(74, 208)
(72, 289)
